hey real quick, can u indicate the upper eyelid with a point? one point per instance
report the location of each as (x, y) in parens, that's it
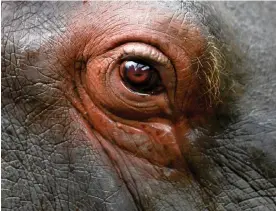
(147, 51)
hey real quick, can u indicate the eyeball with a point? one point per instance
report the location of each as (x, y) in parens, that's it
(132, 81)
(141, 77)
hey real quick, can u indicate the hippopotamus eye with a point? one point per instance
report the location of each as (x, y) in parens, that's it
(141, 77)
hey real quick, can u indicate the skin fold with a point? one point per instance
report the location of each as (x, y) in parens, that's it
(76, 134)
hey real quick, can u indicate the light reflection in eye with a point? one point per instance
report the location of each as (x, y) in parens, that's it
(140, 77)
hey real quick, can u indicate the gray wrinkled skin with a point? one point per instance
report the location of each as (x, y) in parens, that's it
(48, 162)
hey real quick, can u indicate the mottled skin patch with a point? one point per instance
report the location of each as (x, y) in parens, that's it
(74, 137)
(112, 109)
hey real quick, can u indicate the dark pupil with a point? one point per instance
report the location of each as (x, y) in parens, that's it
(140, 77)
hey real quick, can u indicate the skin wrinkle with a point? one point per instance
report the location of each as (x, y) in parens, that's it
(129, 186)
(27, 133)
(247, 176)
(109, 134)
(137, 106)
(148, 182)
(128, 165)
(84, 56)
(243, 178)
(120, 25)
(103, 143)
(19, 142)
(105, 75)
(111, 81)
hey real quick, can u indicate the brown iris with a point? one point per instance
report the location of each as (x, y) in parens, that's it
(141, 77)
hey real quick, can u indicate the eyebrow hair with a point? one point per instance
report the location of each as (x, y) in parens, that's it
(212, 74)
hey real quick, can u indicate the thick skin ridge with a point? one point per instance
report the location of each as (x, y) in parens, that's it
(75, 138)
